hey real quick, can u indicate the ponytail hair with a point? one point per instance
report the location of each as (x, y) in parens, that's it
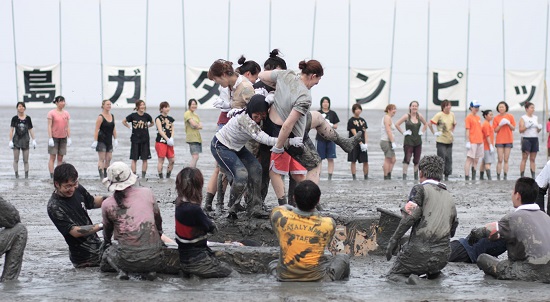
(311, 67)
(248, 66)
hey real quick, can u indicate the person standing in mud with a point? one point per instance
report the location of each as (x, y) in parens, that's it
(132, 217)
(360, 153)
(164, 143)
(193, 137)
(527, 238)
(193, 227)
(431, 213)
(529, 128)
(327, 149)
(303, 236)
(504, 124)
(140, 122)
(474, 140)
(104, 138)
(59, 133)
(387, 140)
(67, 210)
(21, 127)
(445, 122)
(488, 144)
(415, 127)
(13, 239)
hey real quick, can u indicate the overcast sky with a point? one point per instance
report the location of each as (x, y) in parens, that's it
(300, 29)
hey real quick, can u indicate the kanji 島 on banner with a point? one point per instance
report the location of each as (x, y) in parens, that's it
(446, 85)
(124, 85)
(38, 85)
(523, 86)
(370, 88)
(200, 88)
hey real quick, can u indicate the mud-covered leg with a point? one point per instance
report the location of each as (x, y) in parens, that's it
(12, 244)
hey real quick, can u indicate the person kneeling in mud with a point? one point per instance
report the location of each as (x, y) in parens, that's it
(303, 239)
(193, 227)
(13, 239)
(67, 210)
(238, 163)
(527, 238)
(133, 215)
(431, 213)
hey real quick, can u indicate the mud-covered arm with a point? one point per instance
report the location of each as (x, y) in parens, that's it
(412, 211)
(158, 217)
(255, 131)
(108, 226)
(9, 216)
(454, 226)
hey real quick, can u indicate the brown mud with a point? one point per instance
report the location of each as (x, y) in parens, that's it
(47, 273)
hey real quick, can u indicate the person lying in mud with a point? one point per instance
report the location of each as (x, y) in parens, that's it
(527, 238)
(193, 227)
(466, 250)
(133, 216)
(237, 162)
(67, 210)
(303, 236)
(431, 213)
(13, 239)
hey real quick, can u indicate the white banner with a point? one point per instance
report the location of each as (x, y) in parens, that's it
(447, 85)
(370, 88)
(523, 86)
(124, 85)
(38, 85)
(200, 88)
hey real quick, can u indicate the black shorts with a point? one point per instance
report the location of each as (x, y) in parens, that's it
(140, 151)
(356, 155)
(530, 144)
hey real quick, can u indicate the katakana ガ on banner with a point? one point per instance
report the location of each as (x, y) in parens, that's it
(446, 85)
(124, 85)
(370, 88)
(523, 86)
(38, 85)
(200, 88)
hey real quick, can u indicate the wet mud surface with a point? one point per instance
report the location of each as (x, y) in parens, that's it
(47, 273)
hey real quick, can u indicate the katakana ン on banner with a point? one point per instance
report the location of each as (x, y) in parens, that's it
(370, 88)
(38, 85)
(446, 85)
(123, 86)
(523, 86)
(200, 88)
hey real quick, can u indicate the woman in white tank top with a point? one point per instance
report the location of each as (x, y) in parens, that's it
(387, 140)
(529, 129)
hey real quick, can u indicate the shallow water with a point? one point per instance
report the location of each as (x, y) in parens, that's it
(47, 273)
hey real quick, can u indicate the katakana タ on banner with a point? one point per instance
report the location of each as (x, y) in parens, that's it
(38, 85)
(523, 86)
(447, 85)
(200, 88)
(124, 85)
(370, 88)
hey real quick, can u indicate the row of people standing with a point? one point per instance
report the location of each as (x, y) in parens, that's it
(22, 137)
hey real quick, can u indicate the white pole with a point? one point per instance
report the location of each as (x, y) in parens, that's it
(313, 34)
(392, 49)
(349, 57)
(269, 50)
(60, 52)
(101, 49)
(184, 53)
(467, 61)
(428, 63)
(545, 105)
(503, 53)
(146, 46)
(15, 52)
(228, 27)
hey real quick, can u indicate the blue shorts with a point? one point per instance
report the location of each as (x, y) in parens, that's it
(530, 144)
(326, 149)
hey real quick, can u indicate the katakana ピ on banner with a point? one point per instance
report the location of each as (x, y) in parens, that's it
(448, 85)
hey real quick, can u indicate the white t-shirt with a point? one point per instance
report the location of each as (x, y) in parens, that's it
(239, 130)
(531, 125)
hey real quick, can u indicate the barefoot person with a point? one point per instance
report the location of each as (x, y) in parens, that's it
(104, 138)
(21, 127)
(164, 143)
(140, 122)
(59, 133)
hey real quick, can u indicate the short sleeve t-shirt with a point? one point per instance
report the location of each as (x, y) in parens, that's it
(505, 134)
(166, 123)
(140, 127)
(21, 127)
(473, 125)
(60, 123)
(192, 135)
(487, 130)
(445, 124)
(303, 239)
(332, 117)
(67, 213)
(359, 124)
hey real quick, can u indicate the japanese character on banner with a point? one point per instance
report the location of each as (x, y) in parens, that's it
(524, 86)
(370, 88)
(123, 86)
(199, 87)
(446, 85)
(38, 84)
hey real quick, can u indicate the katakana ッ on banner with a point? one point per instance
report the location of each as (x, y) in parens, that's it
(370, 88)
(38, 85)
(447, 85)
(523, 86)
(124, 85)
(200, 88)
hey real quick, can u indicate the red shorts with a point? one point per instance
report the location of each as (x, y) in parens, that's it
(163, 150)
(283, 163)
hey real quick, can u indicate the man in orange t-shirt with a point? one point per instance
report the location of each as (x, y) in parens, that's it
(474, 140)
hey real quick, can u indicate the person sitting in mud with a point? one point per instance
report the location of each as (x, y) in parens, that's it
(431, 213)
(133, 215)
(527, 238)
(67, 210)
(193, 227)
(466, 250)
(13, 239)
(303, 236)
